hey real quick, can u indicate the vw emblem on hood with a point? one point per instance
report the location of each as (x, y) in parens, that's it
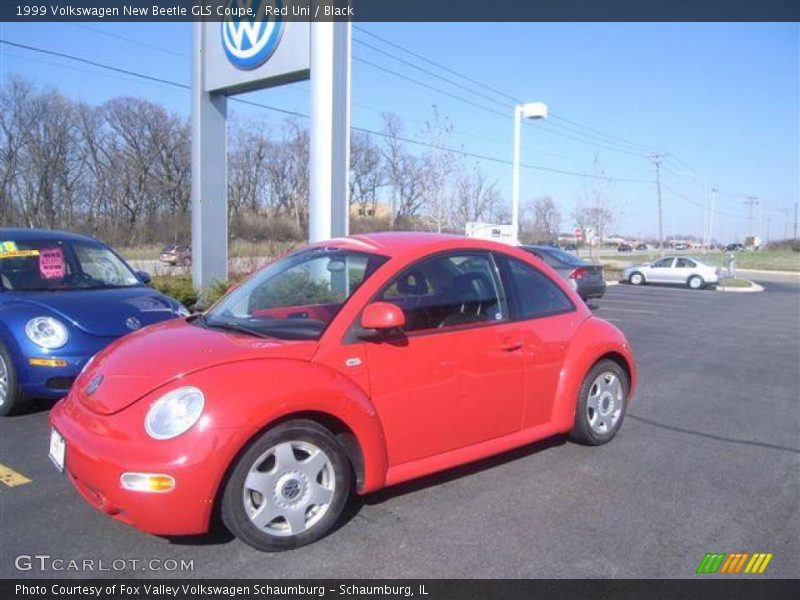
(132, 323)
(94, 384)
(250, 41)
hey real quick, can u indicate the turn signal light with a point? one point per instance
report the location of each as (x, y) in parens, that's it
(47, 362)
(147, 482)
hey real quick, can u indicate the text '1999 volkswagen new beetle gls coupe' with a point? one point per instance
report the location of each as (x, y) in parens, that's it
(346, 366)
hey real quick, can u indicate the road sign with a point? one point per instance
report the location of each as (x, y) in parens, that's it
(578, 232)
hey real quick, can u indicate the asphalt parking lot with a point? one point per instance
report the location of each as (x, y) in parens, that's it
(708, 460)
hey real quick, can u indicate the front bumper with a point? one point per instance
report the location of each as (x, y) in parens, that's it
(50, 382)
(99, 449)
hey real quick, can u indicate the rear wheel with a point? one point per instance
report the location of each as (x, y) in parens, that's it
(636, 278)
(695, 282)
(12, 399)
(601, 404)
(288, 489)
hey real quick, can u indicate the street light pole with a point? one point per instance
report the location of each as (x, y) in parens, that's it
(530, 110)
(515, 175)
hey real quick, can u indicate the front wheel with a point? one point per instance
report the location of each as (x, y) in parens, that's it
(695, 282)
(12, 398)
(288, 489)
(601, 404)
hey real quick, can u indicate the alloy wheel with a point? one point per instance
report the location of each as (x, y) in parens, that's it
(3, 381)
(605, 402)
(289, 488)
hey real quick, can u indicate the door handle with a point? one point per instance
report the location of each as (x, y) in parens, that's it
(511, 346)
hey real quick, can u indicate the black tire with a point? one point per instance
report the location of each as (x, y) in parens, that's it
(15, 400)
(695, 282)
(582, 430)
(636, 278)
(234, 513)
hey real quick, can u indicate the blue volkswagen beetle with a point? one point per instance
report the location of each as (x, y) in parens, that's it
(64, 297)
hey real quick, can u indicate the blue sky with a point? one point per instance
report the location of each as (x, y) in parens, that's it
(722, 99)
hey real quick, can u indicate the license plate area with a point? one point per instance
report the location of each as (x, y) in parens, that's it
(58, 449)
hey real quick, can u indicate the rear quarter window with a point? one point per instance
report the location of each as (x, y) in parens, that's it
(533, 293)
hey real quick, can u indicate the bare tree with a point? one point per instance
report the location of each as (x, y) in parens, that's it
(367, 174)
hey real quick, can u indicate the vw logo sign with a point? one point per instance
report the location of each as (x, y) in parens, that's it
(248, 43)
(133, 323)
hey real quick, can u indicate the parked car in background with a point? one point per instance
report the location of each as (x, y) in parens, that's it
(177, 255)
(64, 297)
(624, 248)
(571, 247)
(680, 246)
(642, 247)
(733, 248)
(345, 367)
(683, 270)
(586, 278)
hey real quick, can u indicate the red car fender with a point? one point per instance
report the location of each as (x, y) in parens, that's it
(593, 340)
(255, 401)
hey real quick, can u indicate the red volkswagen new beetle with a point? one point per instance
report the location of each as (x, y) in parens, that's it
(347, 366)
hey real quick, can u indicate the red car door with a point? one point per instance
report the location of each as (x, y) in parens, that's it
(548, 320)
(455, 377)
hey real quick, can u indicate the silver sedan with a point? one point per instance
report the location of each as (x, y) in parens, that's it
(683, 270)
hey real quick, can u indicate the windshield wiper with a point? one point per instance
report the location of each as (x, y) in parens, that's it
(234, 326)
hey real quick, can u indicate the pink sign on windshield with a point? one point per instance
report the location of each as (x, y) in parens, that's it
(51, 263)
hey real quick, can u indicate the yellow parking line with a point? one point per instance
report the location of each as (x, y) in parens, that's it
(11, 478)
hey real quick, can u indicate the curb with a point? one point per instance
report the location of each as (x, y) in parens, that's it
(754, 288)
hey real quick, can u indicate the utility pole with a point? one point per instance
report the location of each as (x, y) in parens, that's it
(714, 192)
(751, 202)
(795, 220)
(766, 235)
(657, 158)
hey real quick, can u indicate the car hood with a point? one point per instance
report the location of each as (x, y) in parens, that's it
(105, 312)
(143, 361)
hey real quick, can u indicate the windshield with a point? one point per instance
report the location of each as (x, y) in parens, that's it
(56, 265)
(295, 298)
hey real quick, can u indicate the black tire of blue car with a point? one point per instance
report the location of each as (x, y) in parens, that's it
(582, 431)
(233, 511)
(15, 400)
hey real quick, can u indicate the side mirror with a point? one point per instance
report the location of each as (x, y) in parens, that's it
(143, 276)
(382, 316)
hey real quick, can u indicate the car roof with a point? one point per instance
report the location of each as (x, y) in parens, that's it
(398, 244)
(22, 234)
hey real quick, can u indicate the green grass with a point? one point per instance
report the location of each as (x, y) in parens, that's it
(735, 283)
(236, 249)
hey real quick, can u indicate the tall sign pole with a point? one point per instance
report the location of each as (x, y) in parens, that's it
(209, 176)
(329, 164)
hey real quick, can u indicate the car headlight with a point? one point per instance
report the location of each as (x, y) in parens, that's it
(182, 311)
(46, 332)
(174, 413)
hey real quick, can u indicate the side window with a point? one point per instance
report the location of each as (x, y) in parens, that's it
(685, 263)
(535, 295)
(447, 291)
(664, 263)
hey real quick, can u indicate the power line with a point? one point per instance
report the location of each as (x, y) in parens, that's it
(436, 64)
(428, 72)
